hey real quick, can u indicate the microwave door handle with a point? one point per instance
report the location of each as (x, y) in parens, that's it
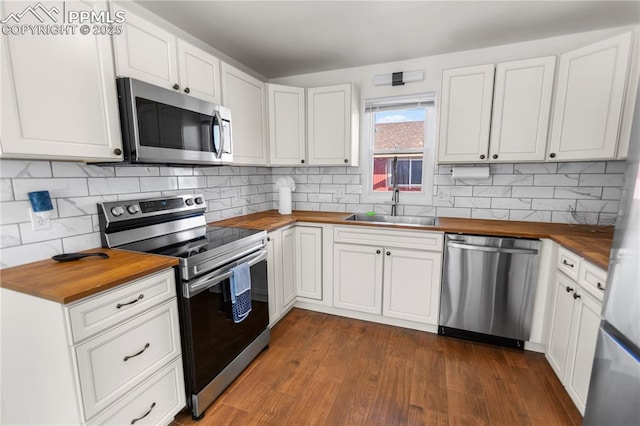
(216, 117)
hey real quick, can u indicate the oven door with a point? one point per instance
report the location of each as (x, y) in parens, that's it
(213, 340)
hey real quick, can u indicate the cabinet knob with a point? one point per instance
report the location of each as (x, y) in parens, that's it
(187, 90)
(600, 286)
(552, 155)
(117, 151)
(495, 156)
(569, 289)
(302, 161)
(388, 253)
(377, 251)
(576, 296)
(268, 238)
(482, 157)
(346, 161)
(176, 87)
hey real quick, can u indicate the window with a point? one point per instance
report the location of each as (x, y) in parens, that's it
(400, 133)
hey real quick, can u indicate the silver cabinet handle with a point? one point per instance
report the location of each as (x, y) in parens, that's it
(128, 357)
(144, 415)
(492, 249)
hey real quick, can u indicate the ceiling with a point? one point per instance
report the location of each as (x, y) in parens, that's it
(283, 38)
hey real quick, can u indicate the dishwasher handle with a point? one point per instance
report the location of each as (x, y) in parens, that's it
(491, 249)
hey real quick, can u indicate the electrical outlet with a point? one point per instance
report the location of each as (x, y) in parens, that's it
(40, 220)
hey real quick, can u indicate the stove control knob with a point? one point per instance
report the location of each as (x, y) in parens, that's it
(189, 201)
(199, 200)
(133, 208)
(202, 249)
(117, 211)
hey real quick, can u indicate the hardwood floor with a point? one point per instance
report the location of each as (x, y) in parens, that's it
(327, 370)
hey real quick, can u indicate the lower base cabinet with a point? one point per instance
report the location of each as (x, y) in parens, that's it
(357, 278)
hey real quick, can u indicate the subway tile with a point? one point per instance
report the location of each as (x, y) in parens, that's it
(248, 190)
(319, 198)
(295, 197)
(513, 180)
(248, 171)
(218, 181)
(346, 179)
(457, 191)
(601, 180)
(307, 206)
(491, 191)
(60, 228)
(359, 208)
(192, 182)
(6, 190)
(27, 253)
(532, 192)
(474, 182)
(599, 206)
(554, 205)
(411, 210)
(611, 193)
(501, 169)
(60, 187)
(14, 212)
(333, 170)
(10, 235)
(257, 180)
(346, 198)
(131, 171)
(607, 219)
(619, 166)
(473, 202)
(581, 218)
(230, 171)
(106, 186)
(283, 171)
(72, 169)
(557, 180)
(332, 207)
(535, 168)
(81, 242)
(311, 188)
(354, 171)
(176, 171)
(511, 203)
(454, 212)
(382, 208)
(443, 202)
(24, 169)
(239, 180)
(212, 216)
(298, 179)
(239, 202)
(495, 214)
(578, 192)
(229, 192)
(353, 189)
(333, 189)
(443, 180)
(138, 195)
(323, 179)
(208, 171)
(80, 206)
(582, 167)
(530, 216)
(444, 169)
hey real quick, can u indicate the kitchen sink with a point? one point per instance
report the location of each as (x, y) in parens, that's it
(394, 220)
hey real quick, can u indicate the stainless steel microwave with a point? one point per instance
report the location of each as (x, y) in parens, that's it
(164, 127)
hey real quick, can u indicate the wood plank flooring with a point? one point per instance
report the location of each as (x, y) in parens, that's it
(327, 370)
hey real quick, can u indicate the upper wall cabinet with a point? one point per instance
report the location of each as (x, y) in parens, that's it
(589, 96)
(149, 53)
(246, 96)
(516, 130)
(333, 120)
(59, 97)
(287, 141)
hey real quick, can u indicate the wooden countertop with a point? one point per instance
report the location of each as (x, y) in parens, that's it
(591, 242)
(65, 282)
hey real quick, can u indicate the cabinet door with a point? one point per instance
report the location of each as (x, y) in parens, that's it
(582, 347)
(245, 96)
(274, 276)
(588, 104)
(59, 97)
(287, 135)
(199, 73)
(357, 278)
(330, 132)
(561, 311)
(521, 104)
(412, 285)
(465, 114)
(309, 262)
(146, 52)
(288, 268)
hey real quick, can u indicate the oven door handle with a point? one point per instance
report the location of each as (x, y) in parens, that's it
(221, 274)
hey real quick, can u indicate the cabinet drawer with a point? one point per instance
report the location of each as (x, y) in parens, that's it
(105, 310)
(155, 402)
(569, 263)
(114, 362)
(593, 280)
(388, 237)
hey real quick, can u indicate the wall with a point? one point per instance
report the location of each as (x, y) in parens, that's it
(75, 188)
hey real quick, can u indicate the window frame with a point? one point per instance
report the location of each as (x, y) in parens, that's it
(424, 197)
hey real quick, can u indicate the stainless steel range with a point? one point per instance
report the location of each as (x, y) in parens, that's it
(215, 348)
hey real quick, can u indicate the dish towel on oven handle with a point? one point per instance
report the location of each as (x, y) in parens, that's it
(240, 292)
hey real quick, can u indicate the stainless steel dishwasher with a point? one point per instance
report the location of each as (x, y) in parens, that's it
(488, 288)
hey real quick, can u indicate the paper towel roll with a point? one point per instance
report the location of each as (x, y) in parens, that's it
(284, 204)
(470, 173)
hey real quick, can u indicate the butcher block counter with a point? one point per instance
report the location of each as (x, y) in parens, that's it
(591, 242)
(65, 282)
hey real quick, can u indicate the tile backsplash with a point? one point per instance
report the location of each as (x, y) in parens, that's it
(535, 192)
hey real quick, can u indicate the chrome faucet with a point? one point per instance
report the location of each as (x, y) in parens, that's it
(396, 192)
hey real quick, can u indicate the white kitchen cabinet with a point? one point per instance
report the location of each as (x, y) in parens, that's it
(149, 53)
(589, 98)
(91, 360)
(465, 114)
(560, 329)
(516, 128)
(246, 96)
(521, 105)
(333, 122)
(281, 271)
(59, 98)
(308, 260)
(411, 288)
(357, 277)
(287, 127)
(288, 268)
